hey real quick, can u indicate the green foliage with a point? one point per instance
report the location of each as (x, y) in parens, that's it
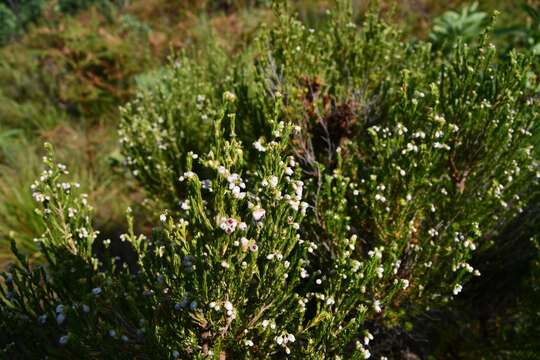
(525, 34)
(8, 23)
(80, 73)
(15, 15)
(71, 7)
(465, 24)
(314, 191)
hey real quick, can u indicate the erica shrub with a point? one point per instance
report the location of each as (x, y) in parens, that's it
(311, 192)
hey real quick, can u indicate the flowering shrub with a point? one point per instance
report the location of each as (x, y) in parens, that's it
(330, 185)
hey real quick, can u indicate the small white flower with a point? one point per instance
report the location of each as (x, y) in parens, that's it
(229, 96)
(258, 146)
(273, 181)
(228, 225)
(96, 291)
(249, 343)
(63, 340)
(405, 283)
(258, 213)
(184, 205)
(377, 306)
(330, 301)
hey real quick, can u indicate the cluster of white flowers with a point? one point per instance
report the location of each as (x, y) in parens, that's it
(236, 186)
(228, 225)
(258, 145)
(268, 324)
(284, 339)
(363, 350)
(377, 252)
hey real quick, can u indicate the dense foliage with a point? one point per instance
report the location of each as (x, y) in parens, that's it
(310, 194)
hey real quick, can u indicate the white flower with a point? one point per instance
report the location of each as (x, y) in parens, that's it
(63, 340)
(184, 205)
(207, 185)
(476, 273)
(248, 343)
(229, 96)
(71, 212)
(405, 283)
(380, 271)
(258, 213)
(96, 291)
(273, 181)
(244, 241)
(228, 225)
(457, 289)
(189, 174)
(367, 338)
(258, 146)
(330, 301)
(60, 318)
(377, 306)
